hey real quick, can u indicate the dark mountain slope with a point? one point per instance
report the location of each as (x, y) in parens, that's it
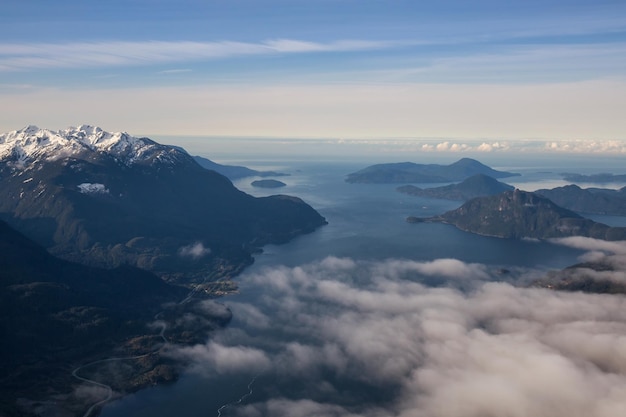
(55, 313)
(109, 199)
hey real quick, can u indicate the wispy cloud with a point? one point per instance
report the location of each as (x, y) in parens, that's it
(498, 63)
(175, 71)
(16, 57)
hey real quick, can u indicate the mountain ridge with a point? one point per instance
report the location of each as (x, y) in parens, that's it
(235, 172)
(32, 144)
(108, 199)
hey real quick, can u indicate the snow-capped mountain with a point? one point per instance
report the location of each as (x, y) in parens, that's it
(25, 147)
(109, 199)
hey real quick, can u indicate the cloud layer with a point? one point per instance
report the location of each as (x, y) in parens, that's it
(342, 338)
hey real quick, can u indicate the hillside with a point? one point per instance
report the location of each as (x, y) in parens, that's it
(108, 199)
(55, 314)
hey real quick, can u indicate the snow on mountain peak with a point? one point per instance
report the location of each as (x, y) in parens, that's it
(31, 144)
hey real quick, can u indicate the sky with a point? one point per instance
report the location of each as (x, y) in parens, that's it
(479, 70)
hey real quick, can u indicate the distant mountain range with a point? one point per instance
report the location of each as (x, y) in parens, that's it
(234, 172)
(475, 186)
(521, 214)
(409, 172)
(597, 178)
(109, 199)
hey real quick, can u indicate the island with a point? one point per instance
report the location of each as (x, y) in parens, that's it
(520, 214)
(475, 186)
(268, 183)
(409, 172)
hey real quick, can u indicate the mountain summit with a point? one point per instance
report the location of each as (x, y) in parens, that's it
(109, 199)
(31, 145)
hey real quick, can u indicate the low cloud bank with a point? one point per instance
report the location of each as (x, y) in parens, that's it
(346, 338)
(609, 258)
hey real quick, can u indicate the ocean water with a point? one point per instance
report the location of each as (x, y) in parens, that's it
(366, 228)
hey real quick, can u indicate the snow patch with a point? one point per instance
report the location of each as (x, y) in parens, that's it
(31, 144)
(92, 188)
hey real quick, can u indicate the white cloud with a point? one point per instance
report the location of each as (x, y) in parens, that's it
(222, 359)
(590, 244)
(195, 250)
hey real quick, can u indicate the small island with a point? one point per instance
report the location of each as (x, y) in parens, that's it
(268, 184)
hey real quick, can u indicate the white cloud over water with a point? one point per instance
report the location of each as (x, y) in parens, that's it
(367, 338)
(222, 359)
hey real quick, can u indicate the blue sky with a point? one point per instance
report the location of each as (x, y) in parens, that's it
(322, 68)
